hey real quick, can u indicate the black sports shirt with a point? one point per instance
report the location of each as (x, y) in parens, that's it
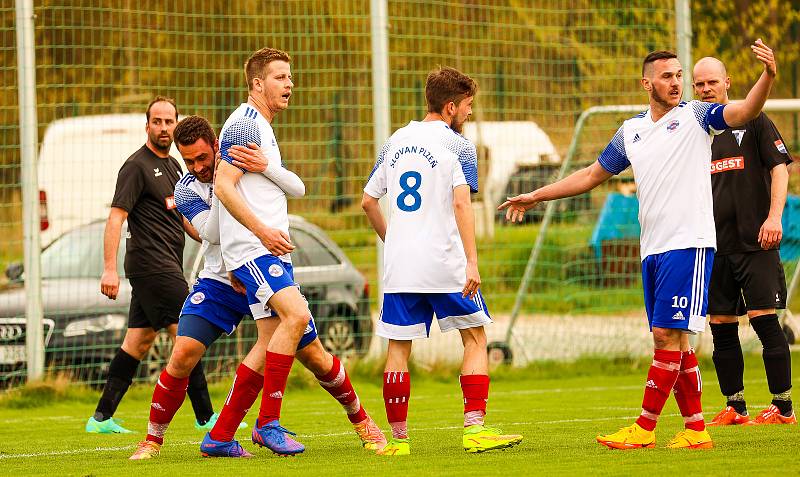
(145, 189)
(741, 161)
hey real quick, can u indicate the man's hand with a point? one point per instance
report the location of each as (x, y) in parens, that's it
(516, 206)
(276, 241)
(765, 55)
(770, 234)
(473, 281)
(250, 158)
(238, 286)
(109, 284)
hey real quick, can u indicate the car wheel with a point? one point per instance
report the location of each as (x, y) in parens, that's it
(338, 336)
(157, 357)
(499, 353)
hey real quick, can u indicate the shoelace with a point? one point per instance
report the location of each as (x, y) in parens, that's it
(283, 429)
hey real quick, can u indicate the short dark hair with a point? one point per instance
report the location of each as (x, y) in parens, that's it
(655, 56)
(445, 84)
(192, 128)
(258, 61)
(161, 99)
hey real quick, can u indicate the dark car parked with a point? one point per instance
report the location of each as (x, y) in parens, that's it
(82, 328)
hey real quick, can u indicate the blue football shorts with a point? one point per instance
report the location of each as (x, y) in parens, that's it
(265, 276)
(676, 288)
(407, 316)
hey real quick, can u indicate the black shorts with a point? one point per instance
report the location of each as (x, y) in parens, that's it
(156, 300)
(746, 281)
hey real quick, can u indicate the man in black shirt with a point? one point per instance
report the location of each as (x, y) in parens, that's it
(153, 263)
(749, 179)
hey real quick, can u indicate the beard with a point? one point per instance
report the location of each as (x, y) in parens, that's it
(662, 100)
(161, 143)
(457, 126)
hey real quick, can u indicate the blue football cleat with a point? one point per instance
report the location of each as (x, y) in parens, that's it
(211, 448)
(276, 438)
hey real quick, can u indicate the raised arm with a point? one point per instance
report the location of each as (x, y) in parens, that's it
(227, 175)
(737, 114)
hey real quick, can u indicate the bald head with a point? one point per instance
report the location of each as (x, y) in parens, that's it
(710, 80)
(711, 64)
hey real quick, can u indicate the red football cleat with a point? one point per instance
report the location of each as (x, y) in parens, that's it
(729, 417)
(772, 415)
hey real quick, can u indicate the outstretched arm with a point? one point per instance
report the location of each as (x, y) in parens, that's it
(576, 183)
(737, 114)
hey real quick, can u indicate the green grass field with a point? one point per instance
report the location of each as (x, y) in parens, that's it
(558, 408)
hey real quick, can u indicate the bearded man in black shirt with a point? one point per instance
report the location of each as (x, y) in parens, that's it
(749, 179)
(153, 264)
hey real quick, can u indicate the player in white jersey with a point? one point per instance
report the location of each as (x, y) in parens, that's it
(255, 243)
(669, 148)
(213, 307)
(427, 171)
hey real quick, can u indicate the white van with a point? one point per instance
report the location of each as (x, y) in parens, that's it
(78, 165)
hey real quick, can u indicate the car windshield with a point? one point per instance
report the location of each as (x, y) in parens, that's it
(79, 253)
(310, 251)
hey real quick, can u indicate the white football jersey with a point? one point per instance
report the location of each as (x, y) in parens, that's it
(193, 201)
(264, 198)
(671, 160)
(418, 168)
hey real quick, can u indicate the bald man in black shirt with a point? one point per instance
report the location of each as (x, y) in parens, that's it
(749, 179)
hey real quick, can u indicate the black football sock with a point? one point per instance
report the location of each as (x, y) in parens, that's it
(729, 363)
(777, 359)
(120, 375)
(198, 394)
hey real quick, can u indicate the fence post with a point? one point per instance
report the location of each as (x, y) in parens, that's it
(26, 71)
(683, 30)
(379, 21)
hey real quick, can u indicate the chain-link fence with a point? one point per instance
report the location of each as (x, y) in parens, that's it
(538, 65)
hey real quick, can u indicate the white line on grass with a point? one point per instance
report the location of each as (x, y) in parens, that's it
(309, 436)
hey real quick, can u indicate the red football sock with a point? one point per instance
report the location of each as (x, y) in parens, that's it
(276, 372)
(688, 390)
(337, 383)
(168, 395)
(475, 388)
(660, 381)
(244, 391)
(396, 393)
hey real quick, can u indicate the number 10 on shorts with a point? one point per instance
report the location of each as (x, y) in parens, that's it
(680, 302)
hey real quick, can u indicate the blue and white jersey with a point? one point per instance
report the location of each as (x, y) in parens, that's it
(671, 160)
(193, 201)
(264, 198)
(418, 168)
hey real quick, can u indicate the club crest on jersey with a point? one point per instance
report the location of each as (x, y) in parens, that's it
(157, 172)
(275, 270)
(739, 134)
(673, 125)
(781, 146)
(198, 298)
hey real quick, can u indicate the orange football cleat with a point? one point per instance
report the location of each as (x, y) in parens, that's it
(729, 417)
(772, 415)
